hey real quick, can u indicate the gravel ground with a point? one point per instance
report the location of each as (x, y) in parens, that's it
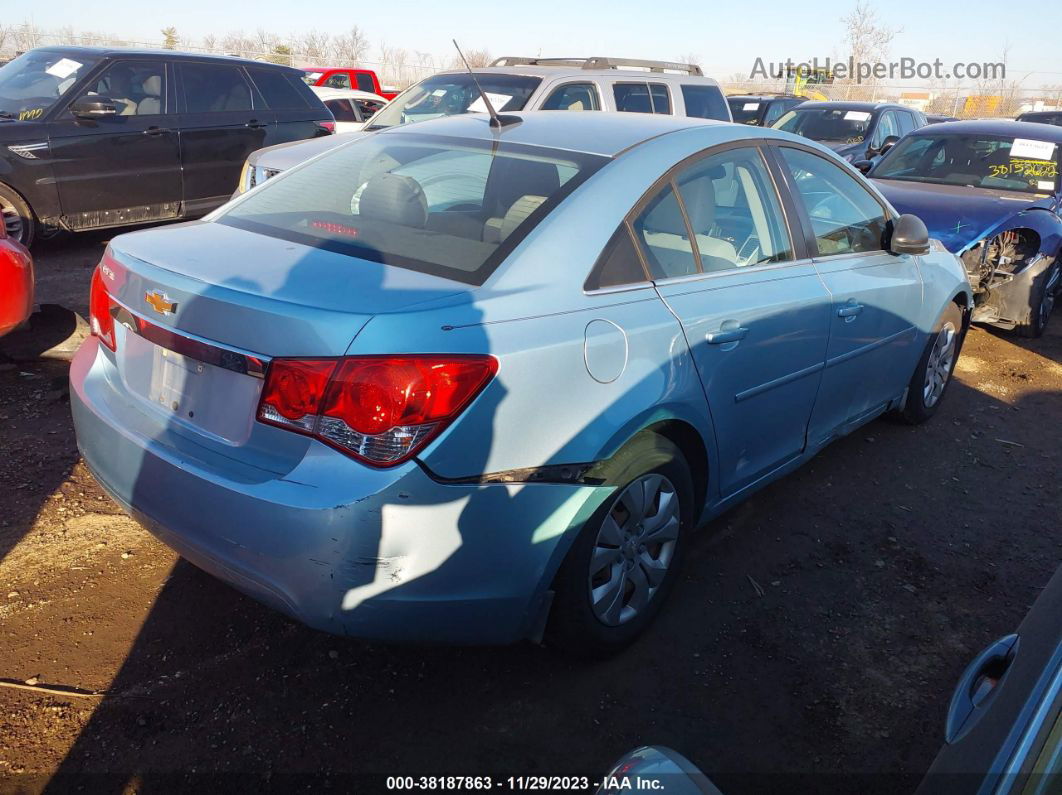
(812, 644)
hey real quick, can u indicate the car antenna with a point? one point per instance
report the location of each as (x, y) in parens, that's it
(496, 120)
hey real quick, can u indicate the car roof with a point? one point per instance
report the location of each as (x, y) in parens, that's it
(844, 105)
(116, 52)
(326, 92)
(606, 134)
(1002, 127)
(762, 97)
(575, 71)
(335, 69)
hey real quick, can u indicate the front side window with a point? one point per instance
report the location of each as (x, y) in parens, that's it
(845, 218)
(338, 80)
(32, 83)
(214, 88)
(573, 96)
(887, 127)
(135, 89)
(829, 125)
(450, 94)
(368, 107)
(449, 207)
(365, 82)
(706, 102)
(641, 97)
(978, 161)
(775, 111)
(906, 122)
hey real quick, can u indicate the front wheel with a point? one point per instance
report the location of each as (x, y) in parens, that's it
(933, 372)
(625, 561)
(19, 220)
(1041, 301)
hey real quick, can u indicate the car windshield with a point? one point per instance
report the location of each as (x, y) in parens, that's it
(834, 125)
(978, 161)
(32, 83)
(744, 110)
(450, 94)
(450, 207)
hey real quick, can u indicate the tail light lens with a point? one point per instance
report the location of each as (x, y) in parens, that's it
(329, 126)
(100, 306)
(379, 409)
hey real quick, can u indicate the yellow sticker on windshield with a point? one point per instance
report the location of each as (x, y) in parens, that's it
(1024, 167)
(30, 115)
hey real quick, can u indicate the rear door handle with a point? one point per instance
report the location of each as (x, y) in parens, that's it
(155, 131)
(254, 124)
(850, 310)
(729, 331)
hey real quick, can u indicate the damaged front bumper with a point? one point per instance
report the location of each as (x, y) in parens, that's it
(384, 554)
(1007, 299)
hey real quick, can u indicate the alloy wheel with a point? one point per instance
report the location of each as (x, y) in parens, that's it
(634, 548)
(12, 219)
(1047, 301)
(939, 366)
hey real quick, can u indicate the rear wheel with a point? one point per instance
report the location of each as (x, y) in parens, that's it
(1041, 301)
(933, 372)
(19, 221)
(624, 563)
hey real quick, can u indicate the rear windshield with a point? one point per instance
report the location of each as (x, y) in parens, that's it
(744, 110)
(977, 161)
(450, 207)
(450, 94)
(829, 125)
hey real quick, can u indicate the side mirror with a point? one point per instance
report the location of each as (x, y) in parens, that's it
(94, 108)
(862, 166)
(888, 143)
(909, 235)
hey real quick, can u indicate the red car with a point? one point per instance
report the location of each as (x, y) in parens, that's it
(16, 283)
(342, 77)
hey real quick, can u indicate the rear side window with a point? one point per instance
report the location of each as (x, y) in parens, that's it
(641, 98)
(341, 110)
(365, 82)
(214, 88)
(278, 92)
(705, 102)
(619, 263)
(450, 208)
(662, 232)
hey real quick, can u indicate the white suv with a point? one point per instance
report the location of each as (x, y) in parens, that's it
(612, 85)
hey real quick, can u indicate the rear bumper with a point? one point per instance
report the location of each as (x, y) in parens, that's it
(384, 554)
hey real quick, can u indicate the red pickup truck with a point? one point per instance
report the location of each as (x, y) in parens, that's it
(342, 77)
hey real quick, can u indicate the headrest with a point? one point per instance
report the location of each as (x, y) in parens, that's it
(516, 215)
(394, 199)
(699, 196)
(153, 86)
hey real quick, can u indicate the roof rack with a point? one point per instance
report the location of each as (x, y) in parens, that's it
(599, 62)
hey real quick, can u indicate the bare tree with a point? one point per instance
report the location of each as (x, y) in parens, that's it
(690, 58)
(350, 47)
(27, 36)
(314, 45)
(210, 42)
(868, 41)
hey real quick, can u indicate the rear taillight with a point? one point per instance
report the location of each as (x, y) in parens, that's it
(329, 126)
(100, 305)
(380, 409)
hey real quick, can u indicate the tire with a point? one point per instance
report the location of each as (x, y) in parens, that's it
(576, 625)
(923, 400)
(19, 220)
(1041, 302)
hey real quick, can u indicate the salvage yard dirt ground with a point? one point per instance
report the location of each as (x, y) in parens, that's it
(812, 644)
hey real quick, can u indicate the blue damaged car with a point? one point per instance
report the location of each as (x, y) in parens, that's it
(475, 381)
(989, 191)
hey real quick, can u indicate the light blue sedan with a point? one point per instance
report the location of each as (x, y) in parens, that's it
(461, 383)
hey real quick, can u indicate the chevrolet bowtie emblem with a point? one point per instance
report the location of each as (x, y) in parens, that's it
(160, 302)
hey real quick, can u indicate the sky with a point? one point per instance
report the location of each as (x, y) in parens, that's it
(726, 37)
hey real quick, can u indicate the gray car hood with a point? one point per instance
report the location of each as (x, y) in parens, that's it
(283, 156)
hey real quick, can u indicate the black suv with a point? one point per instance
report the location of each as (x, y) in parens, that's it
(857, 131)
(1043, 117)
(759, 109)
(93, 138)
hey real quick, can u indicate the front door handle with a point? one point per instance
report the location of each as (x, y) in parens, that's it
(729, 332)
(155, 131)
(254, 124)
(850, 310)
